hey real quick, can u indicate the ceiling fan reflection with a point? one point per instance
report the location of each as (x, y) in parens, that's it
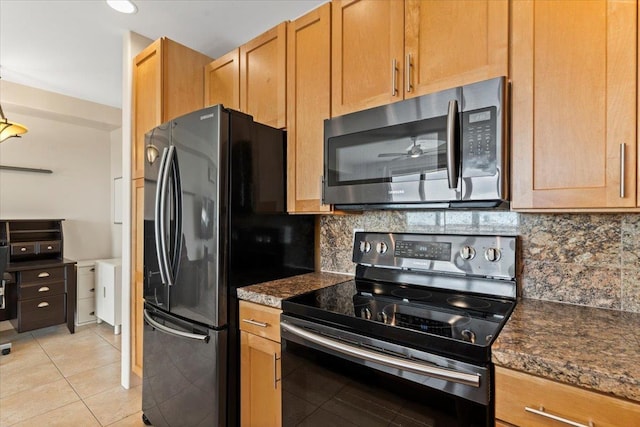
(414, 150)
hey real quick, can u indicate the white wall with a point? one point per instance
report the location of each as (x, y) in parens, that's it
(72, 138)
(116, 172)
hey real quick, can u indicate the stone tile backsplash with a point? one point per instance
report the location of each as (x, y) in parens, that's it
(586, 259)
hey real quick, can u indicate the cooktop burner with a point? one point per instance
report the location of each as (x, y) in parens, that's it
(454, 308)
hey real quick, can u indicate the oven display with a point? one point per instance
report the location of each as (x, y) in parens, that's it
(436, 251)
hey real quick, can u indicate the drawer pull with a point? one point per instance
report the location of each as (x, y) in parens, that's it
(23, 249)
(255, 322)
(43, 304)
(44, 289)
(43, 274)
(542, 413)
(92, 290)
(49, 247)
(93, 313)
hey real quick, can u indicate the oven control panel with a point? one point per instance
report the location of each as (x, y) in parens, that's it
(478, 255)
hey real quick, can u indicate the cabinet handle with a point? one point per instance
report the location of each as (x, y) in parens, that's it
(44, 289)
(255, 322)
(542, 413)
(408, 67)
(23, 249)
(104, 292)
(623, 147)
(44, 274)
(43, 304)
(49, 247)
(394, 72)
(275, 371)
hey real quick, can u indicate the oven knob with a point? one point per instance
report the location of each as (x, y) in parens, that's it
(467, 252)
(492, 254)
(365, 246)
(382, 247)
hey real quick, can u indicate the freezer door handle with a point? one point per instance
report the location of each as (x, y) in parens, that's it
(177, 203)
(175, 332)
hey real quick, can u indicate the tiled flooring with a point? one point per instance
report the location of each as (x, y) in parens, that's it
(54, 378)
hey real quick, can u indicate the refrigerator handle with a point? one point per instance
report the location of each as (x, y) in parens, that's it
(175, 332)
(164, 252)
(159, 216)
(177, 198)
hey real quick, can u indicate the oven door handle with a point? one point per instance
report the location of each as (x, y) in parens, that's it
(383, 359)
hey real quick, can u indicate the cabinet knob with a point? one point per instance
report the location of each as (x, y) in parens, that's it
(92, 290)
(23, 249)
(44, 274)
(44, 289)
(43, 304)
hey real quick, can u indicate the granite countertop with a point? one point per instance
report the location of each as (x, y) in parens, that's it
(272, 293)
(589, 347)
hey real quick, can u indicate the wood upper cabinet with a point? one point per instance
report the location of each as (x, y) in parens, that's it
(309, 104)
(167, 82)
(260, 370)
(263, 77)
(527, 400)
(388, 50)
(574, 117)
(452, 43)
(367, 37)
(222, 81)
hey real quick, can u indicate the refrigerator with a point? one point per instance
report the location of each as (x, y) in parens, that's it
(214, 220)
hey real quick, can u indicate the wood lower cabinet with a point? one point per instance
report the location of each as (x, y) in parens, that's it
(527, 400)
(309, 104)
(137, 274)
(263, 71)
(222, 81)
(260, 370)
(384, 51)
(574, 116)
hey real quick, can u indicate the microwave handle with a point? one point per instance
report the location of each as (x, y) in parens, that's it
(452, 144)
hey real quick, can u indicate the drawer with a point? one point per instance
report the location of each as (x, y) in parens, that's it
(40, 290)
(260, 320)
(49, 247)
(41, 312)
(42, 275)
(28, 248)
(516, 391)
(86, 311)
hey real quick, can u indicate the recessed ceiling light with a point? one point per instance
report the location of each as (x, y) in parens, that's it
(124, 6)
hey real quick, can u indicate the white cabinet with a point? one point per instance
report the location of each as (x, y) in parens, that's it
(86, 297)
(109, 292)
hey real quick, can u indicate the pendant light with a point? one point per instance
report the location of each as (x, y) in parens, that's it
(10, 129)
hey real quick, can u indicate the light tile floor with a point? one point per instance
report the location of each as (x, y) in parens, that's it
(54, 378)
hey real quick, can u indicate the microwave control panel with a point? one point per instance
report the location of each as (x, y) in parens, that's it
(479, 147)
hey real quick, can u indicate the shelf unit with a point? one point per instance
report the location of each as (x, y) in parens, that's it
(31, 240)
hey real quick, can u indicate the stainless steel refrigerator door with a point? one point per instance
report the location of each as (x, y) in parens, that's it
(157, 143)
(184, 372)
(192, 209)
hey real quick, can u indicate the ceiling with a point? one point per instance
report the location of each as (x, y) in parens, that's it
(74, 47)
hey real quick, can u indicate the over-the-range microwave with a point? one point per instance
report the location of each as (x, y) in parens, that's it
(446, 149)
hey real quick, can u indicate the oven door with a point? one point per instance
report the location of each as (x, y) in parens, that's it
(332, 377)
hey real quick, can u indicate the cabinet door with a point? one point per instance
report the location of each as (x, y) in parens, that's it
(222, 81)
(309, 104)
(367, 54)
(263, 77)
(137, 291)
(260, 381)
(182, 80)
(451, 43)
(574, 83)
(146, 102)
